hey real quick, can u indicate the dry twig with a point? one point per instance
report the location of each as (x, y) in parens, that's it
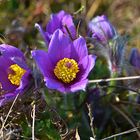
(10, 110)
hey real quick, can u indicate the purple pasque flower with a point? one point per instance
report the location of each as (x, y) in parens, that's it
(60, 20)
(102, 30)
(135, 57)
(66, 65)
(14, 73)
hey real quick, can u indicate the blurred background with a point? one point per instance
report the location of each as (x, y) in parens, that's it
(17, 17)
(17, 20)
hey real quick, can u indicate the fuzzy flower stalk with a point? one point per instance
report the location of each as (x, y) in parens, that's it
(60, 20)
(107, 42)
(134, 69)
(66, 65)
(15, 74)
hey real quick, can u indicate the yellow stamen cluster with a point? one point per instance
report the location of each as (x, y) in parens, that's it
(15, 74)
(66, 70)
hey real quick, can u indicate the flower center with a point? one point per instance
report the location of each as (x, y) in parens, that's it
(15, 74)
(66, 70)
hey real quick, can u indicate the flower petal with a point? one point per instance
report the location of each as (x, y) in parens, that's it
(19, 62)
(81, 85)
(6, 98)
(6, 84)
(25, 82)
(86, 65)
(60, 46)
(55, 22)
(4, 65)
(67, 21)
(54, 84)
(43, 62)
(10, 52)
(80, 49)
(44, 35)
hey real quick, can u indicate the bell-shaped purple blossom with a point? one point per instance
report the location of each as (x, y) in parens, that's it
(60, 20)
(102, 30)
(135, 58)
(134, 69)
(14, 73)
(66, 65)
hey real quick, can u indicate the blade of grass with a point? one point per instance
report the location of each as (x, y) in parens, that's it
(126, 117)
(10, 110)
(114, 79)
(122, 133)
